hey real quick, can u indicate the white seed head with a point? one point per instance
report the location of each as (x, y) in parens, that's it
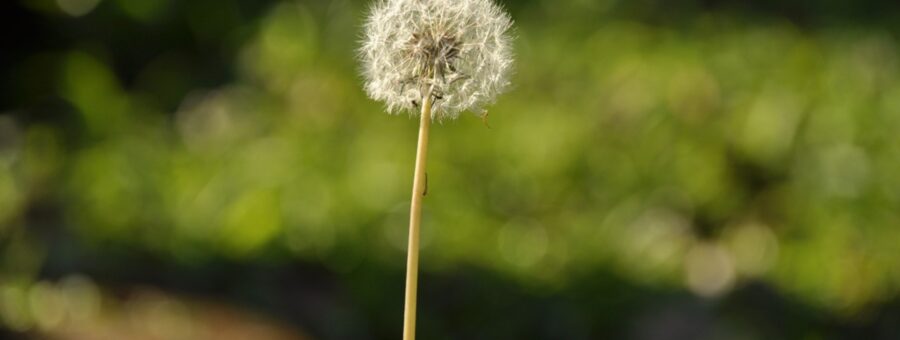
(457, 50)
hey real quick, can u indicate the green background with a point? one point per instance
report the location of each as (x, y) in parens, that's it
(658, 170)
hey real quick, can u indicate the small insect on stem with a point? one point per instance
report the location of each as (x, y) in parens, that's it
(484, 118)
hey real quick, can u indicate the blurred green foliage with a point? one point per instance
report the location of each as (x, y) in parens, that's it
(695, 154)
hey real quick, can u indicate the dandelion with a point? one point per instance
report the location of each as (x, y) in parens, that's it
(456, 50)
(442, 57)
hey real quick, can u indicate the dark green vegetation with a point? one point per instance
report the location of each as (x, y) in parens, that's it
(659, 170)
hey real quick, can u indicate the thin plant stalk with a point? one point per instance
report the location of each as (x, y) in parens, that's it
(415, 217)
(419, 51)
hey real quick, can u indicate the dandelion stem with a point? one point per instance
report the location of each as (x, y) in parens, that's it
(415, 217)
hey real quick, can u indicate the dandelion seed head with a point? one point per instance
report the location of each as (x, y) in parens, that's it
(457, 50)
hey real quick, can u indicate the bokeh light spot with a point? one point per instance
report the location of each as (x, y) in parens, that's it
(47, 305)
(82, 298)
(14, 308)
(754, 246)
(709, 269)
(77, 8)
